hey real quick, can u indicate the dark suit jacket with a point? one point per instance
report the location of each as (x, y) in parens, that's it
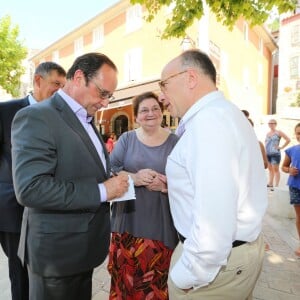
(56, 171)
(10, 210)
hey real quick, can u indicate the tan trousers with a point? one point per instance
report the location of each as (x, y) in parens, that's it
(236, 281)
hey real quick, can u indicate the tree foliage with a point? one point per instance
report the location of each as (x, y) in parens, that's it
(297, 102)
(12, 52)
(274, 25)
(185, 12)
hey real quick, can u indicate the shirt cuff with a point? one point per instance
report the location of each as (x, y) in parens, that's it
(103, 193)
(183, 277)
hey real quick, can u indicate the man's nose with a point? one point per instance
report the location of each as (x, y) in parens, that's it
(104, 102)
(161, 97)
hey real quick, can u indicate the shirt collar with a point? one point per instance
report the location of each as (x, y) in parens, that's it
(198, 105)
(78, 110)
(31, 99)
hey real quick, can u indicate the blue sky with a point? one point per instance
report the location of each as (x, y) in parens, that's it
(43, 22)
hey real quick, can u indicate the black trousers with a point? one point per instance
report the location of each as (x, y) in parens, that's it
(75, 287)
(17, 273)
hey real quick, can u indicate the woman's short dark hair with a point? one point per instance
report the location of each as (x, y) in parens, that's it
(137, 100)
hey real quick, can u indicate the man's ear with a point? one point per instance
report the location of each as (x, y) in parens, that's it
(193, 78)
(37, 80)
(78, 78)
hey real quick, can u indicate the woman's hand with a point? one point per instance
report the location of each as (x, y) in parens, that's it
(159, 184)
(144, 177)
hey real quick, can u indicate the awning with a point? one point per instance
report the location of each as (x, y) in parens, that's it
(123, 96)
(118, 103)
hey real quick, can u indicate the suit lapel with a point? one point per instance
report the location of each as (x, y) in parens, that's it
(24, 102)
(71, 119)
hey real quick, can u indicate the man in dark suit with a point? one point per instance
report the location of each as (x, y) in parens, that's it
(61, 173)
(48, 78)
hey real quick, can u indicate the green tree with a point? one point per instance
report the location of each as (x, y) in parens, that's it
(227, 12)
(297, 102)
(12, 52)
(274, 25)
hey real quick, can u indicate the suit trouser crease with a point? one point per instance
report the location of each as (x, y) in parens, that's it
(75, 287)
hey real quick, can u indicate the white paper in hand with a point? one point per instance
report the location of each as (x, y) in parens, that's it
(129, 195)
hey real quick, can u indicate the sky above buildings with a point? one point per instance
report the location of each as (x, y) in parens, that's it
(43, 22)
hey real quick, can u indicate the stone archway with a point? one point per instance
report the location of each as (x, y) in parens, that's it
(120, 125)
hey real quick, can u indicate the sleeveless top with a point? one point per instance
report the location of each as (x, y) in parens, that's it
(272, 142)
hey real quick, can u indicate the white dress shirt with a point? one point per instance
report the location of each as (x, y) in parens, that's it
(217, 188)
(85, 121)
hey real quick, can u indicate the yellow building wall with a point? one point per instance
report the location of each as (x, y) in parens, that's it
(155, 52)
(237, 56)
(243, 57)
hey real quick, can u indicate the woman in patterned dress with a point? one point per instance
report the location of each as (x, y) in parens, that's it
(143, 234)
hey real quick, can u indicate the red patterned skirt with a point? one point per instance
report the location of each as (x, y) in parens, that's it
(138, 267)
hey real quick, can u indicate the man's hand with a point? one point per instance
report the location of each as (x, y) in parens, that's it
(116, 186)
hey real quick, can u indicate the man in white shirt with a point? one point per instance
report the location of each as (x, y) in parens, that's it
(216, 185)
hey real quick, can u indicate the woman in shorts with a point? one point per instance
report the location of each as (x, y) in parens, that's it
(273, 148)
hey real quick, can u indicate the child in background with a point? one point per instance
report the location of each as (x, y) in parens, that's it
(110, 143)
(291, 165)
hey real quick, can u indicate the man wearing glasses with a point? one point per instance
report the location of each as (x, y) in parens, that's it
(62, 176)
(10, 211)
(216, 185)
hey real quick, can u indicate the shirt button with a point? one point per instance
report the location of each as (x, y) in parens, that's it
(239, 272)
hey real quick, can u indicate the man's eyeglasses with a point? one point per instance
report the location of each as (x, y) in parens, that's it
(162, 84)
(104, 94)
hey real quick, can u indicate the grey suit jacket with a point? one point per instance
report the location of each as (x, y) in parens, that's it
(56, 171)
(10, 210)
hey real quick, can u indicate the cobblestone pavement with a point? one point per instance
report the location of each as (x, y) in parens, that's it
(279, 280)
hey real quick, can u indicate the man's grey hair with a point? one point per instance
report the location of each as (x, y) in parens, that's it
(47, 67)
(200, 61)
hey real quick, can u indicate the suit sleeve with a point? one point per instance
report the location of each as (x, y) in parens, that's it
(35, 153)
(1, 130)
